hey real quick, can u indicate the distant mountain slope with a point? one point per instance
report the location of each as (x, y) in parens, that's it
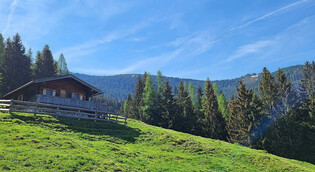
(118, 86)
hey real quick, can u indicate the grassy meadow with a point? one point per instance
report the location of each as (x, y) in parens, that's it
(47, 143)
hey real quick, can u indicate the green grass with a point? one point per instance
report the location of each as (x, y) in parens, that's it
(63, 144)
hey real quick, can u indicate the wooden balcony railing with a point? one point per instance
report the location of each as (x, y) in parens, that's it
(69, 102)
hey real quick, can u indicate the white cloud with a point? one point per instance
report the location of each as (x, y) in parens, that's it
(12, 9)
(267, 15)
(249, 49)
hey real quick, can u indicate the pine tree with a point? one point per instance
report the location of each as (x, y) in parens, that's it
(44, 65)
(16, 66)
(214, 120)
(149, 114)
(168, 107)
(62, 67)
(244, 116)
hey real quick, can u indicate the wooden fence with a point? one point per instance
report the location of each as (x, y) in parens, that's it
(60, 110)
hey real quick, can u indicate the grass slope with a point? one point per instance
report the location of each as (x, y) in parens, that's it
(48, 143)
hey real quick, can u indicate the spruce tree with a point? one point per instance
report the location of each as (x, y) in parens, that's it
(168, 107)
(268, 92)
(244, 116)
(184, 118)
(287, 96)
(16, 69)
(293, 135)
(149, 114)
(191, 91)
(2, 51)
(199, 126)
(2, 57)
(135, 105)
(62, 67)
(214, 120)
(44, 65)
(159, 96)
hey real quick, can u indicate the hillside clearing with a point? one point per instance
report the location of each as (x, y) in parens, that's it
(48, 143)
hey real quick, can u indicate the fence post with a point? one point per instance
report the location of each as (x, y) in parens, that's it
(35, 111)
(125, 119)
(11, 105)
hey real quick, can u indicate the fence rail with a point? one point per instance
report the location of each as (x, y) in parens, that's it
(61, 110)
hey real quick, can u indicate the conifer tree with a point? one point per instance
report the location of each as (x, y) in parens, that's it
(191, 91)
(159, 96)
(287, 96)
(223, 106)
(126, 105)
(2, 57)
(62, 67)
(199, 127)
(293, 135)
(216, 89)
(2, 51)
(199, 98)
(44, 65)
(135, 107)
(244, 116)
(168, 107)
(268, 92)
(149, 114)
(214, 120)
(16, 66)
(184, 119)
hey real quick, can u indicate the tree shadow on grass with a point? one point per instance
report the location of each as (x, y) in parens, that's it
(86, 129)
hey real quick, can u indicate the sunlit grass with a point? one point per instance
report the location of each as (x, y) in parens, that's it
(48, 143)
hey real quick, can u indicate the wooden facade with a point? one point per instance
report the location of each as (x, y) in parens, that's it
(66, 96)
(67, 86)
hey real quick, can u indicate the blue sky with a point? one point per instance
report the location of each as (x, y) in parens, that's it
(218, 39)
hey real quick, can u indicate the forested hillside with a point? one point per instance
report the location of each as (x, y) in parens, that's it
(118, 86)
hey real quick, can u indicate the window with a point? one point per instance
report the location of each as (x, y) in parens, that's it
(63, 93)
(81, 96)
(75, 96)
(48, 92)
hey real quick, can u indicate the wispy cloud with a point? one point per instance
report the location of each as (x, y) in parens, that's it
(130, 68)
(12, 9)
(249, 49)
(267, 15)
(91, 45)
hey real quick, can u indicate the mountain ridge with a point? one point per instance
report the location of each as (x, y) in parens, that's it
(118, 86)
